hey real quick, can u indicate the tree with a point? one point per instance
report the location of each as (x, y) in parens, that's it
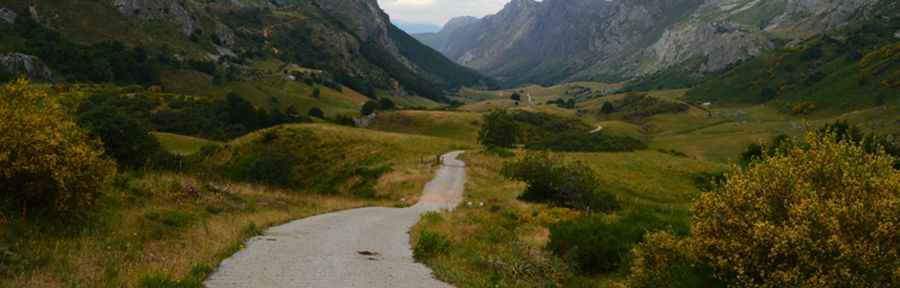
(48, 165)
(315, 112)
(498, 129)
(386, 104)
(317, 93)
(124, 138)
(567, 184)
(823, 214)
(607, 108)
(368, 108)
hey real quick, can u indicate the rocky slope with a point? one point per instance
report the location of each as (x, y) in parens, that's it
(353, 40)
(563, 40)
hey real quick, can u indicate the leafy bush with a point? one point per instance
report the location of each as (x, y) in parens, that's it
(48, 165)
(386, 104)
(263, 166)
(431, 244)
(664, 260)
(597, 243)
(637, 106)
(498, 129)
(580, 141)
(368, 108)
(315, 112)
(124, 138)
(366, 179)
(571, 185)
(822, 214)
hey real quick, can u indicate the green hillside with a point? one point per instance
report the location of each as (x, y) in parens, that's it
(840, 72)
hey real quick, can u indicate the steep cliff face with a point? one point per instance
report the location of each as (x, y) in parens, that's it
(557, 40)
(439, 40)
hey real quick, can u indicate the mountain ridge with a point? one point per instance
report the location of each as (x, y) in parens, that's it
(620, 40)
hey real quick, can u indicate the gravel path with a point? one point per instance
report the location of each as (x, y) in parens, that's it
(367, 247)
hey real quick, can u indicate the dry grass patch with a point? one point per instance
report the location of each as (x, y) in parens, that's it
(156, 224)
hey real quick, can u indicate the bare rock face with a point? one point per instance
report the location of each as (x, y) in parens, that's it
(364, 17)
(719, 44)
(22, 64)
(165, 10)
(8, 16)
(804, 18)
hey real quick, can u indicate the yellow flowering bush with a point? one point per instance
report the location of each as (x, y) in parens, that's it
(48, 165)
(825, 215)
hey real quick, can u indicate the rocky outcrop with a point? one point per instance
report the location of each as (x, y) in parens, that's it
(8, 16)
(717, 44)
(22, 64)
(804, 18)
(173, 11)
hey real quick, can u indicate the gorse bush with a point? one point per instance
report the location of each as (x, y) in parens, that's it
(48, 165)
(824, 214)
(549, 180)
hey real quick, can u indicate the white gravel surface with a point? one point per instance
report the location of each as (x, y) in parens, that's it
(367, 247)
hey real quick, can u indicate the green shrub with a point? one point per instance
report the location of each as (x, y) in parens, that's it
(263, 166)
(549, 180)
(315, 112)
(367, 178)
(596, 244)
(368, 108)
(431, 244)
(498, 129)
(580, 141)
(124, 138)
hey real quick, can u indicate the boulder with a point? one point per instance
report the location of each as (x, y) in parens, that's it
(8, 16)
(22, 64)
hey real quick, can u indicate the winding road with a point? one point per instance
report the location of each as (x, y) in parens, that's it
(367, 247)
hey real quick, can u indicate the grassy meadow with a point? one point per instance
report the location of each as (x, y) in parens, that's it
(171, 229)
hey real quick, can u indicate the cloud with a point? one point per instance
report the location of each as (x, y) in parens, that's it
(439, 11)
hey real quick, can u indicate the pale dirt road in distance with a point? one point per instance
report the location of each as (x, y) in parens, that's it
(367, 247)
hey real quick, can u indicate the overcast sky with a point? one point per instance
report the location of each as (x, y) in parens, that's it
(439, 11)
